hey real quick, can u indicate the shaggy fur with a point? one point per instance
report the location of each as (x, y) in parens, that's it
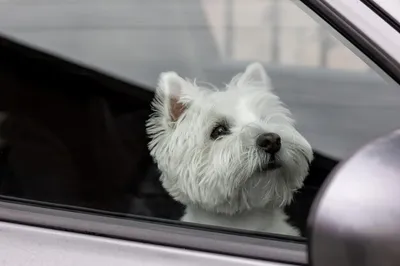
(225, 180)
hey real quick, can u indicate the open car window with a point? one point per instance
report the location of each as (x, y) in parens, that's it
(209, 147)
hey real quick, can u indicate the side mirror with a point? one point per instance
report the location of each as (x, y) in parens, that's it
(355, 219)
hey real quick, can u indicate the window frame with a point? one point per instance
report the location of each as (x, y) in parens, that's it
(375, 39)
(353, 28)
(154, 231)
(386, 10)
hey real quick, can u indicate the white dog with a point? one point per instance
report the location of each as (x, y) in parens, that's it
(232, 156)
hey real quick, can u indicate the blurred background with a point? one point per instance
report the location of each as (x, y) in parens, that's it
(339, 102)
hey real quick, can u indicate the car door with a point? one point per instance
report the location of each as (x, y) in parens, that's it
(77, 183)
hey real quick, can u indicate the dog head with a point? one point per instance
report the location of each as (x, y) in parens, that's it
(226, 150)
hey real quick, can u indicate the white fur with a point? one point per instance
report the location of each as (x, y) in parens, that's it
(220, 181)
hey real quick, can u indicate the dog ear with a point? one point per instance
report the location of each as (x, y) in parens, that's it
(255, 74)
(172, 87)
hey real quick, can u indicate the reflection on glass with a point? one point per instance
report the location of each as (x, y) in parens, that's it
(276, 32)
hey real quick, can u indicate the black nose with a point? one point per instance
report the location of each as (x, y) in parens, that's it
(270, 142)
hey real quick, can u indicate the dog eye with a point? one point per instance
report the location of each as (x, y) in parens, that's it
(219, 131)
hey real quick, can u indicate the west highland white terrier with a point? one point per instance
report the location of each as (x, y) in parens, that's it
(232, 156)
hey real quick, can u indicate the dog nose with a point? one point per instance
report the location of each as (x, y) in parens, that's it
(270, 142)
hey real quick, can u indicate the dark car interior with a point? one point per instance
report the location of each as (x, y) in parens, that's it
(75, 136)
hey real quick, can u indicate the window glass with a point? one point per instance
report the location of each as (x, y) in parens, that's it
(217, 148)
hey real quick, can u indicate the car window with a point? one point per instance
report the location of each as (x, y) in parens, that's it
(217, 113)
